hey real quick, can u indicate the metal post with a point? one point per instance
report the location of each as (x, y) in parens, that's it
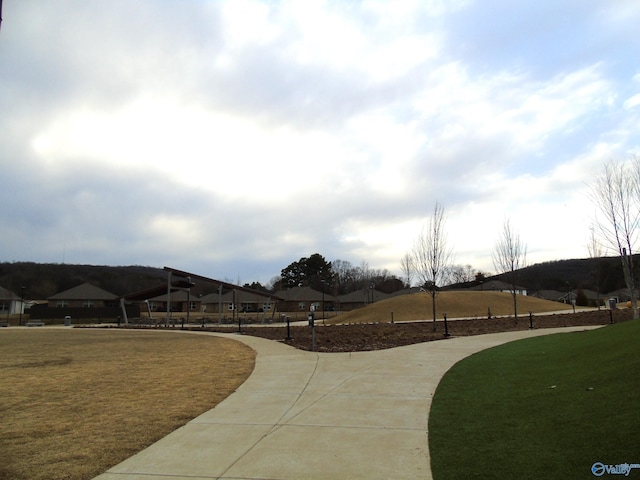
(21, 304)
(288, 328)
(323, 302)
(530, 320)
(235, 307)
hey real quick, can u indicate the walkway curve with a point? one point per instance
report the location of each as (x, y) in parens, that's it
(307, 415)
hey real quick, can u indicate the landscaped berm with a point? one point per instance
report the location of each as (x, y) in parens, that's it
(419, 306)
(78, 401)
(370, 328)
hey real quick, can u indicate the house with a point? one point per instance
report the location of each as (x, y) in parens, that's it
(499, 286)
(304, 299)
(181, 301)
(83, 301)
(10, 303)
(570, 297)
(360, 298)
(238, 300)
(85, 296)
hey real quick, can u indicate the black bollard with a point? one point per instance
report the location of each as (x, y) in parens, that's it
(288, 328)
(530, 321)
(446, 327)
(312, 324)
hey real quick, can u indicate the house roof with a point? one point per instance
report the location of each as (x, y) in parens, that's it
(303, 294)
(86, 291)
(496, 285)
(176, 296)
(362, 296)
(241, 296)
(405, 291)
(8, 294)
(553, 295)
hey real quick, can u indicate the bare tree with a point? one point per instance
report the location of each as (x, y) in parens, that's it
(432, 257)
(407, 268)
(596, 252)
(509, 256)
(462, 273)
(616, 194)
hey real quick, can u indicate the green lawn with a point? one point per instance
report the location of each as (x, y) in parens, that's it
(547, 407)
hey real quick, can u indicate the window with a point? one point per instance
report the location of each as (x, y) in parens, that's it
(266, 306)
(192, 306)
(88, 304)
(302, 306)
(231, 306)
(4, 306)
(62, 303)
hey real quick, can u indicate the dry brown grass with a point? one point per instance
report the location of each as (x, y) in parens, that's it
(418, 306)
(75, 402)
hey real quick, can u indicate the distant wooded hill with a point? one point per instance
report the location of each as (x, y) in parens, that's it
(598, 274)
(603, 274)
(42, 280)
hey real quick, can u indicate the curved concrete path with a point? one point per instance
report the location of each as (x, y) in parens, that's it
(307, 415)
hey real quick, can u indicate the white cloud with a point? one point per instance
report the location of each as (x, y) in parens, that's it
(284, 128)
(632, 101)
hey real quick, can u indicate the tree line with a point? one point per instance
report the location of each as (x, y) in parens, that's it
(337, 277)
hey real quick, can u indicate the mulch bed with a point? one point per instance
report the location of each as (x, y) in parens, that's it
(377, 336)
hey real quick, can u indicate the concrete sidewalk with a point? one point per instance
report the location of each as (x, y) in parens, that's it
(306, 415)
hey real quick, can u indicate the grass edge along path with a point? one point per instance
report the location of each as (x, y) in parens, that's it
(547, 407)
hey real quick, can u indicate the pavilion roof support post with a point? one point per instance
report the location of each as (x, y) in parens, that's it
(235, 308)
(149, 311)
(189, 302)
(168, 298)
(124, 310)
(220, 303)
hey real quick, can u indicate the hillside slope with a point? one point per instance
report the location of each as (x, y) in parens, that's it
(457, 304)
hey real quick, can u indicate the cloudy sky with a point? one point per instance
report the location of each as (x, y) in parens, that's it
(231, 138)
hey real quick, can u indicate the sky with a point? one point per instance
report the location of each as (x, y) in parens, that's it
(232, 138)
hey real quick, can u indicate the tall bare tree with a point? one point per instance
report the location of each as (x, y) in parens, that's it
(406, 265)
(432, 257)
(509, 256)
(616, 195)
(596, 252)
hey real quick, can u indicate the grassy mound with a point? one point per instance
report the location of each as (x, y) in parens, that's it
(547, 407)
(418, 306)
